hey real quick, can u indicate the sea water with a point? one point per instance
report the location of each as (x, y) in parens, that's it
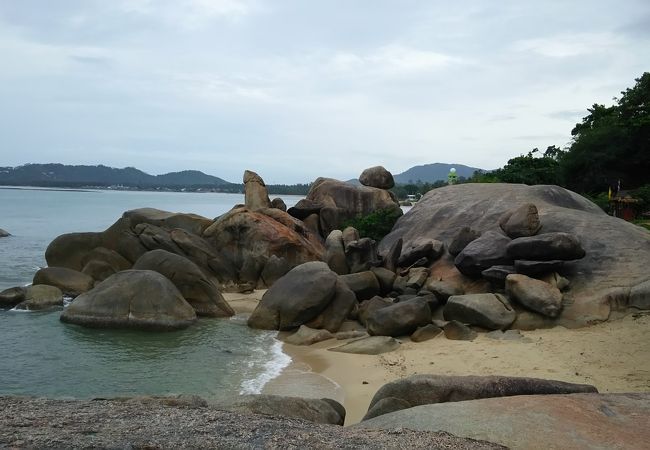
(39, 355)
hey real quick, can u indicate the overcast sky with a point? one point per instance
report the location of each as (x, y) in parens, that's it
(296, 89)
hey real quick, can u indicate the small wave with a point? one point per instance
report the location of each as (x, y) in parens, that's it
(67, 300)
(276, 362)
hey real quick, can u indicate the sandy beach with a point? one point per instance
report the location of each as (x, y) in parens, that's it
(613, 356)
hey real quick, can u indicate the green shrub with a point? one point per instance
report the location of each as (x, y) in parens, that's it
(375, 225)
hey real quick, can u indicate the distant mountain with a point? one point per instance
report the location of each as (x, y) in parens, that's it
(429, 173)
(75, 176)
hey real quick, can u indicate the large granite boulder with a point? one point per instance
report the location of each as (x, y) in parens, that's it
(197, 290)
(295, 299)
(69, 281)
(335, 253)
(574, 421)
(640, 296)
(338, 310)
(428, 389)
(322, 410)
(491, 311)
(594, 278)
(521, 221)
(141, 299)
(537, 295)
(255, 192)
(337, 201)
(546, 247)
(399, 319)
(246, 237)
(377, 177)
(365, 284)
(12, 296)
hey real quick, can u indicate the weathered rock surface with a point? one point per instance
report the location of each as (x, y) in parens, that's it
(577, 421)
(69, 281)
(458, 331)
(391, 258)
(464, 236)
(364, 284)
(368, 307)
(325, 410)
(428, 389)
(399, 319)
(4, 233)
(335, 253)
(482, 253)
(361, 255)
(425, 333)
(141, 299)
(41, 296)
(295, 299)
(430, 249)
(546, 247)
(278, 203)
(385, 277)
(308, 336)
(491, 311)
(338, 309)
(498, 274)
(640, 296)
(442, 212)
(377, 177)
(197, 290)
(12, 296)
(255, 193)
(533, 268)
(372, 345)
(520, 222)
(537, 295)
(161, 423)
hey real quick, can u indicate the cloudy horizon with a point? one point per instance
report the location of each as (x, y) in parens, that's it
(295, 90)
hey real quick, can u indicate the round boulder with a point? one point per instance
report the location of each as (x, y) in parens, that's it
(69, 281)
(537, 295)
(141, 299)
(41, 296)
(491, 311)
(377, 177)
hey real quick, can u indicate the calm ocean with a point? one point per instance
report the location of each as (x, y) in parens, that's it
(41, 356)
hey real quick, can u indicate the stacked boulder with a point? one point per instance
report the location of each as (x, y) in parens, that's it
(330, 203)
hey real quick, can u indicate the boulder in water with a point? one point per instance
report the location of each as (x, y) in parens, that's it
(41, 296)
(70, 281)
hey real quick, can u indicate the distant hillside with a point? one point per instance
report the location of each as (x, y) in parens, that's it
(430, 173)
(75, 176)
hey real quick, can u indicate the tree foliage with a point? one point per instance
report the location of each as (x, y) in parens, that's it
(375, 225)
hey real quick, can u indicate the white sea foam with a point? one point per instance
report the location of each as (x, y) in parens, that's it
(272, 362)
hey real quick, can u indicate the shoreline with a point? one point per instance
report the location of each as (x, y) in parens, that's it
(613, 356)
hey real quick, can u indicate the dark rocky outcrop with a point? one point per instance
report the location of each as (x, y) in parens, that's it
(368, 307)
(278, 203)
(4, 233)
(498, 274)
(197, 290)
(12, 296)
(534, 268)
(338, 309)
(141, 299)
(377, 177)
(464, 236)
(491, 311)
(428, 389)
(429, 249)
(537, 295)
(364, 284)
(399, 319)
(594, 279)
(69, 281)
(335, 253)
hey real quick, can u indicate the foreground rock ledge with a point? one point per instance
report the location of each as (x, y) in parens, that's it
(45, 423)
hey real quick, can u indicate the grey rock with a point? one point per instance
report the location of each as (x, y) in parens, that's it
(278, 203)
(457, 331)
(295, 299)
(335, 253)
(141, 299)
(377, 177)
(69, 281)
(385, 277)
(154, 238)
(4, 233)
(520, 222)
(368, 307)
(426, 333)
(12, 296)
(399, 319)
(255, 192)
(343, 335)
(304, 208)
(98, 270)
(498, 274)
(482, 253)
(337, 311)
(546, 247)
(364, 284)
(533, 268)
(391, 259)
(308, 336)
(537, 295)
(312, 223)
(275, 268)
(325, 410)
(430, 389)
(442, 289)
(640, 296)
(116, 261)
(349, 234)
(361, 255)
(491, 311)
(195, 288)
(41, 296)
(430, 249)
(464, 236)
(372, 345)
(417, 277)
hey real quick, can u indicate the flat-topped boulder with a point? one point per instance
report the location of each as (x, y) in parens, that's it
(69, 281)
(598, 287)
(140, 299)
